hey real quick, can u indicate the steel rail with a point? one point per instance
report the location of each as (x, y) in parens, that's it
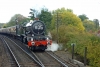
(37, 61)
(58, 60)
(17, 63)
(38, 58)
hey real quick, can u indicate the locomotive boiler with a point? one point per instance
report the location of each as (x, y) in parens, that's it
(32, 34)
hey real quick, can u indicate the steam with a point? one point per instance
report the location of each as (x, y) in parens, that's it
(49, 34)
(53, 47)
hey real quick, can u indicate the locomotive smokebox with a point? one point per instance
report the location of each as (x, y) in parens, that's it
(36, 27)
(36, 18)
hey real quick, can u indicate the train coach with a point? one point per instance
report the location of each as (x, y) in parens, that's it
(32, 34)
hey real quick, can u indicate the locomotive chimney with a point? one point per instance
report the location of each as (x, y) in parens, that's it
(36, 18)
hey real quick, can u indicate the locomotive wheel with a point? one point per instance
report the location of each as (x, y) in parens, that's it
(43, 49)
(24, 40)
(32, 48)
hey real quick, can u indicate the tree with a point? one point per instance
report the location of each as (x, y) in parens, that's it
(4, 26)
(89, 25)
(96, 22)
(83, 17)
(46, 17)
(20, 18)
(65, 17)
(65, 25)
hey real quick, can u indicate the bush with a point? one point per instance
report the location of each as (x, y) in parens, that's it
(71, 34)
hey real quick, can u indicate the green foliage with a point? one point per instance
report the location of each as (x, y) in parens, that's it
(83, 17)
(4, 26)
(53, 23)
(20, 20)
(62, 10)
(96, 22)
(94, 51)
(71, 34)
(92, 43)
(46, 17)
(71, 30)
(89, 25)
(65, 33)
(65, 17)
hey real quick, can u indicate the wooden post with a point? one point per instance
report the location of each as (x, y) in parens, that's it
(57, 30)
(85, 55)
(73, 51)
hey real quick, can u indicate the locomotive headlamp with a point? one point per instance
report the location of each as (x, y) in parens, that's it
(33, 43)
(48, 41)
(31, 39)
(47, 38)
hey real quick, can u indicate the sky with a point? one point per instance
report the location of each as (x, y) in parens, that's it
(8, 8)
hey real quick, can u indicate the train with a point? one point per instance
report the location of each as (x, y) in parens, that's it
(33, 34)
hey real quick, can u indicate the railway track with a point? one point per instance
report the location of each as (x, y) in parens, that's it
(4, 60)
(60, 60)
(20, 57)
(42, 61)
(45, 59)
(14, 61)
(53, 60)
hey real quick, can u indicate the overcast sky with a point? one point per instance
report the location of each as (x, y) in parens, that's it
(9, 8)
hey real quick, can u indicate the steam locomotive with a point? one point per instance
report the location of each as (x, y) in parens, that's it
(32, 34)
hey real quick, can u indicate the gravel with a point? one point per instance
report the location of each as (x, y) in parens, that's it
(67, 56)
(4, 60)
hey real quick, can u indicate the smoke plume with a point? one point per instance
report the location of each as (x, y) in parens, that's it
(53, 47)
